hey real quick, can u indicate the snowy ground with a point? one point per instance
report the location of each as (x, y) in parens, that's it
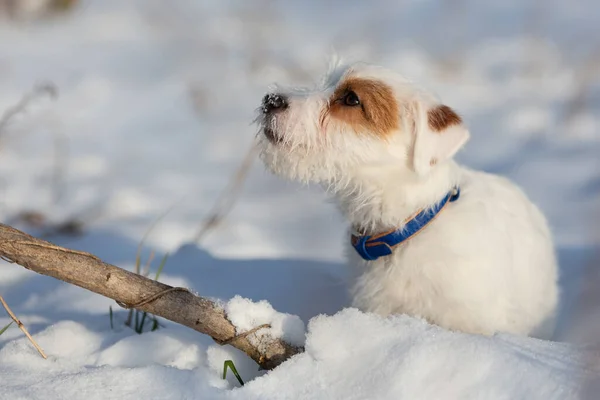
(153, 114)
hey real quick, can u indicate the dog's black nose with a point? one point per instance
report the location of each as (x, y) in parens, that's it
(274, 102)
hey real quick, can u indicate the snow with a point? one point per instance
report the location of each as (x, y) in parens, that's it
(408, 359)
(245, 315)
(411, 359)
(153, 116)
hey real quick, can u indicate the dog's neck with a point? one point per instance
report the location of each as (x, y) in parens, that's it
(377, 200)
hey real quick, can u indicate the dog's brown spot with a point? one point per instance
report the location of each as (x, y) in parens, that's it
(441, 117)
(377, 112)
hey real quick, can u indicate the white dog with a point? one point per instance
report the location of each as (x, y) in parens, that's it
(463, 249)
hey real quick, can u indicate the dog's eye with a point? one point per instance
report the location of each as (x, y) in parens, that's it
(351, 99)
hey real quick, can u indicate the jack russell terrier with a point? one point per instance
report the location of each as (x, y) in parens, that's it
(463, 249)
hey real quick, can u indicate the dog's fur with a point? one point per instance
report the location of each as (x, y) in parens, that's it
(485, 264)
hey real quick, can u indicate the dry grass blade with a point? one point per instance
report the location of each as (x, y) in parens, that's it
(228, 197)
(146, 271)
(22, 327)
(38, 91)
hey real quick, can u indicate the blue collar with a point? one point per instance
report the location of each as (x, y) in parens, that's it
(372, 247)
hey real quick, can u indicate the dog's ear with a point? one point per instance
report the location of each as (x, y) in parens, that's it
(438, 134)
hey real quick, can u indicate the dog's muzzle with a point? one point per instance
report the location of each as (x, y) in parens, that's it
(272, 104)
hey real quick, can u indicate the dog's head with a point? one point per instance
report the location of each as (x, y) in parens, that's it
(359, 118)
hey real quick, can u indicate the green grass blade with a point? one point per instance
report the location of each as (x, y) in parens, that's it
(110, 315)
(154, 324)
(129, 318)
(229, 363)
(142, 322)
(6, 327)
(161, 266)
(136, 325)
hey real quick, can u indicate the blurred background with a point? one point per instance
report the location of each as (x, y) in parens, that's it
(121, 116)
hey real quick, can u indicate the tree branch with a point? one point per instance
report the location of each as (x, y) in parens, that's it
(132, 290)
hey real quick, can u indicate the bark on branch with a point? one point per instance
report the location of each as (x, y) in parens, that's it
(89, 272)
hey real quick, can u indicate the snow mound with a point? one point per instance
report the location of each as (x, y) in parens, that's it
(246, 315)
(353, 355)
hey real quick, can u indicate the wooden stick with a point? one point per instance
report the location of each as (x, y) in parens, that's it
(136, 291)
(22, 327)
